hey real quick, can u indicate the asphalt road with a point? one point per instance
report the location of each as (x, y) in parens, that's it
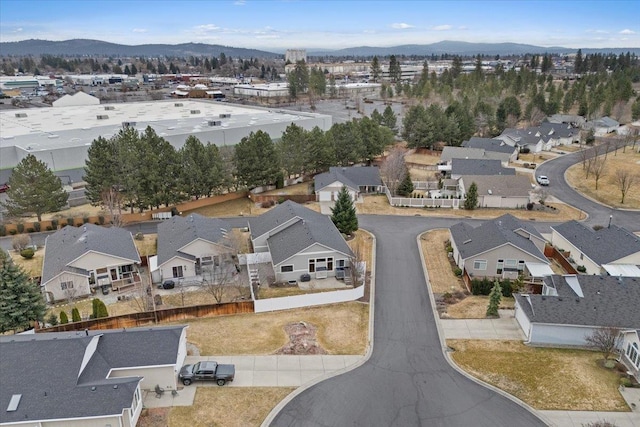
(598, 214)
(407, 381)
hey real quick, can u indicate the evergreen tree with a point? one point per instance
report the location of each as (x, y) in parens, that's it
(494, 299)
(21, 301)
(471, 201)
(389, 118)
(376, 116)
(34, 189)
(406, 186)
(343, 214)
(75, 315)
(395, 72)
(292, 149)
(376, 71)
(256, 160)
(64, 319)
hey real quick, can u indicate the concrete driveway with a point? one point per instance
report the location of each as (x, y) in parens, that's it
(504, 328)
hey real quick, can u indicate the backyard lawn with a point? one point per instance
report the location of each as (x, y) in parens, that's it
(545, 378)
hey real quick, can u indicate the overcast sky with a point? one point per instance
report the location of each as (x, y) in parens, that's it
(278, 25)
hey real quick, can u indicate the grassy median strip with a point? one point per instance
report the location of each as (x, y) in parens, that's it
(228, 406)
(545, 378)
(342, 329)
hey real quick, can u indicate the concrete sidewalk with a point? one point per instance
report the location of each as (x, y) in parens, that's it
(504, 328)
(257, 371)
(583, 418)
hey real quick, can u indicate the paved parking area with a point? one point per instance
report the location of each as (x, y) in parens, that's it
(504, 328)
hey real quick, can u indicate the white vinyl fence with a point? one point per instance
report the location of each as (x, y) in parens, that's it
(421, 203)
(308, 300)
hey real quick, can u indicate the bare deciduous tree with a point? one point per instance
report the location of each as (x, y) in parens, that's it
(618, 110)
(606, 340)
(112, 201)
(536, 116)
(598, 167)
(20, 241)
(625, 181)
(394, 169)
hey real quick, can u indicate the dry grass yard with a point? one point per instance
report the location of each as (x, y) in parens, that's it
(441, 275)
(33, 266)
(608, 189)
(421, 159)
(228, 407)
(148, 246)
(85, 308)
(302, 188)
(362, 245)
(545, 378)
(342, 329)
(379, 205)
(265, 292)
(475, 307)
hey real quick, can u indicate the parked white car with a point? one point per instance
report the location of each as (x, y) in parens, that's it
(542, 180)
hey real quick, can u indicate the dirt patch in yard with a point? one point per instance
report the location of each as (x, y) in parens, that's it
(302, 340)
(153, 417)
(545, 378)
(227, 406)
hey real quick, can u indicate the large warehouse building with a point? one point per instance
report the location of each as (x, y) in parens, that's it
(61, 136)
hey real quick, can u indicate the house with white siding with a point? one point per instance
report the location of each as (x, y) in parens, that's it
(630, 351)
(595, 249)
(498, 191)
(358, 180)
(300, 241)
(572, 307)
(87, 378)
(79, 260)
(498, 248)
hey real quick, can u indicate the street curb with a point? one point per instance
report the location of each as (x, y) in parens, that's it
(276, 410)
(447, 355)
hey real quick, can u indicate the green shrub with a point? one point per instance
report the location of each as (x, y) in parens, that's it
(610, 364)
(27, 253)
(49, 228)
(581, 268)
(483, 286)
(3, 230)
(101, 219)
(457, 271)
(20, 227)
(71, 221)
(85, 219)
(13, 232)
(64, 318)
(139, 236)
(30, 230)
(37, 226)
(624, 381)
(54, 224)
(99, 309)
(280, 181)
(52, 319)
(75, 315)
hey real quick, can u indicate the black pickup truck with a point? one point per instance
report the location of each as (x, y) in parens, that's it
(207, 371)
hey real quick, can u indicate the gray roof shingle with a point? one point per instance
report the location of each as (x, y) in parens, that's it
(489, 144)
(479, 167)
(607, 302)
(354, 177)
(69, 243)
(500, 231)
(602, 246)
(179, 231)
(499, 185)
(449, 153)
(44, 369)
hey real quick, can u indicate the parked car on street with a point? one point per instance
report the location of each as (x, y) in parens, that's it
(207, 371)
(4, 188)
(542, 180)
(167, 284)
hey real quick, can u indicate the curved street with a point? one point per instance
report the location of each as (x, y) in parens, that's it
(407, 381)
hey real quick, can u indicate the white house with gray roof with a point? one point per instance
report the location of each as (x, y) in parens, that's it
(300, 241)
(595, 249)
(498, 248)
(189, 246)
(449, 153)
(499, 191)
(461, 167)
(358, 180)
(630, 351)
(572, 307)
(86, 379)
(493, 145)
(78, 260)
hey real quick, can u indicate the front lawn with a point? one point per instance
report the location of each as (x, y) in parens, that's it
(475, 307)
(545, 378)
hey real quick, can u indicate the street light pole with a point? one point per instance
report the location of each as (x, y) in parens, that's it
(610, 218)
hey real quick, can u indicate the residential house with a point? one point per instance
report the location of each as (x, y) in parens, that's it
(494, 145)
(192, 247)
(523, 138)
(570, 119)
(78, 260)
(88, 378)
(595, 249)
(630, 351)
(300, 241)
(498, 248)
(498, 191)
(449, 153)
(460, 167)
(558, 134)
(602, 126)
(358, 180)
(572, 307)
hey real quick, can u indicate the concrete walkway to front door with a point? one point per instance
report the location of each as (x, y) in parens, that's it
(504, 328)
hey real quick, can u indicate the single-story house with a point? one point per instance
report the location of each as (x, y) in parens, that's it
(449, 153)
(498, 248)
(189, 247)
(358, 180)
(301, 241)
(78, 260)
(572, 307)
(87, 378)
(570, 119)
(595, 248)
(602, 126)
(499, 191)
(523, 138)
(630, 351)
(460, 167)
(556, 134)
(492, 144)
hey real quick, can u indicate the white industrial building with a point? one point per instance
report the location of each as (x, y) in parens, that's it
(61, 136)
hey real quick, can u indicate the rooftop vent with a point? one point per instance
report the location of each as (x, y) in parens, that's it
(14, 402)
(21, 115)
(195, 111)
(214, 122)
(466, 241)
(109, 107)
(128, 124)
(225, 115)
(102, 117)
(178, 104)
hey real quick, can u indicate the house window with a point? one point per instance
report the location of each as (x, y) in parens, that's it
(312, 266)
(330, 264)
(341, 263)
(511, 264)
(499, 266)
(581, 256)
(126, 268)
(633, 354)
(480, 264)
(206, 260)
(177, 271)
(521, 265)
(321, 262)
(66, 285)
(101, 270)
(286, 268)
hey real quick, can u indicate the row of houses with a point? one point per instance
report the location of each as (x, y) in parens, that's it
(296, 240)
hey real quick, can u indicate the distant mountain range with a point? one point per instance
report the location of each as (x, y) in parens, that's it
(84, 47)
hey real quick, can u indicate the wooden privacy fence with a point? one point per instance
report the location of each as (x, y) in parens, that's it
(553, 253)
(175, 314)
(298, 198)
